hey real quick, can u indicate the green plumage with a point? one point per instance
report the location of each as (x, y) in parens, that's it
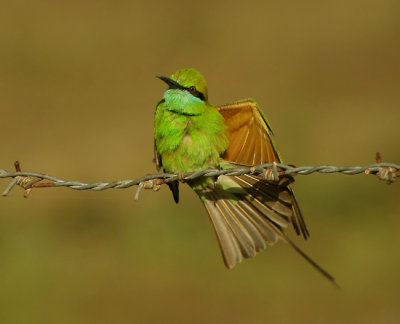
(189, 143)
(247, 212)
(190, 134)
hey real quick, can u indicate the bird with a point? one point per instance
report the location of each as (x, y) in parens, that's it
(248, 212)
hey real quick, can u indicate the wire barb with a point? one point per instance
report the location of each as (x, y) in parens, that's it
(270, 171)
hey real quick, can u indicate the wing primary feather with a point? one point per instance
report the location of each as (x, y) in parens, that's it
(267, 212)
(265, 197)
(235, 148)
(242, 147)
(277, 191)
(261, 160)
(266, 208)
(257, 156)
(270, 195)
(249, 147)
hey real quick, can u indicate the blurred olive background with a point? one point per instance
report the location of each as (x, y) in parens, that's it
(77, 97)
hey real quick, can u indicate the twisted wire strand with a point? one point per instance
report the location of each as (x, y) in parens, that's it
(28, 180)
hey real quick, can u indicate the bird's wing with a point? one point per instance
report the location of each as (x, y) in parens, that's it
(251, 142)
(250, 136)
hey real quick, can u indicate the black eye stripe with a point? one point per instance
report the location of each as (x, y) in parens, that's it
(172, 84)
(197, 94)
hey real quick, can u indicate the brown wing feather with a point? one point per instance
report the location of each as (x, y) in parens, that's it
(251, 143)
(256, 147)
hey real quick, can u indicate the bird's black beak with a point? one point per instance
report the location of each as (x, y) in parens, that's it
(171, 83)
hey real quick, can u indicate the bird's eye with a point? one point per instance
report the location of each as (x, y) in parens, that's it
(192, 89)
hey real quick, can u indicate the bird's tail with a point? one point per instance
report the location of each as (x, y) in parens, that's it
(249, 213)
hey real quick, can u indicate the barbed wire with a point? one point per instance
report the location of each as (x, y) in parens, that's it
(269, 171)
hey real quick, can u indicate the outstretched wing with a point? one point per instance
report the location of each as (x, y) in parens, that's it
(251, 142)
(250, 135)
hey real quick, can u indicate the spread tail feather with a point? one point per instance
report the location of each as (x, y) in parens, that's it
(246, 218)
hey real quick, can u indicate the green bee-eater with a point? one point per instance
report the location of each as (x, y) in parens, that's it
(247, 211)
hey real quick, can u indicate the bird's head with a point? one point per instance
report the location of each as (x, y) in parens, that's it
(189, 80)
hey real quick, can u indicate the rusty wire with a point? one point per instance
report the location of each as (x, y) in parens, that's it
(270, 171)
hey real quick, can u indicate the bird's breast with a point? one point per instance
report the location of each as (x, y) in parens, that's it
(190, 143)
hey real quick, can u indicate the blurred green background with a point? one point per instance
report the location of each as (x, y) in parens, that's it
(77, 97)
